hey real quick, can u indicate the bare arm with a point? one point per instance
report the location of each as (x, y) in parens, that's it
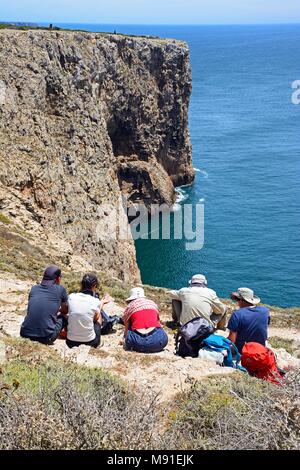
(174, 294)
(217, 306)
(126, 327)
(105, 300)
(126, 322)
(64, 308)
(98, 317)
(232, 336)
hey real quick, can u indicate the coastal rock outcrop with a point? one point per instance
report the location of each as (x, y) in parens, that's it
(85, 118)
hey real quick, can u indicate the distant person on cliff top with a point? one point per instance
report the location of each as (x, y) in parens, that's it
(143, 331)
(250, 322)
(85, 314)
(198, 301)
(47, 308)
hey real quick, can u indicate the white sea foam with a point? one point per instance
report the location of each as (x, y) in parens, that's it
(203, 172)
(181, 197)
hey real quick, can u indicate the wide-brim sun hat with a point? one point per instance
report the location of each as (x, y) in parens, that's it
(136, 293)
(244, 293)
(198, 279)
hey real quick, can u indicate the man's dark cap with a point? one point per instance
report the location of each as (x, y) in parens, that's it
(50, 275)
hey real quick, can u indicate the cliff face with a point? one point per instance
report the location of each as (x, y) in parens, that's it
(86, 117)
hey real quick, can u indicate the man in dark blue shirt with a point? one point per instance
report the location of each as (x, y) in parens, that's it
(47, 307)
(250, 322)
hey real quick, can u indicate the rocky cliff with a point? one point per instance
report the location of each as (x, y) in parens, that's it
(85, 118)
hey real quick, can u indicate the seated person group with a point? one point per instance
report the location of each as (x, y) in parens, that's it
(81, 315)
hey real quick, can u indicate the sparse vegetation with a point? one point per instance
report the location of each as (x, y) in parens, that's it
(4, 220)
(64, 406)
(285, 317)
(238, 413)
(19, 256)
(277, 343)
(53, 404)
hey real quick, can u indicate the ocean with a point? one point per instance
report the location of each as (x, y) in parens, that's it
(246, 151)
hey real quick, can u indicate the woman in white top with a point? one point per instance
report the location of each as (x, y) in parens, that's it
(84, 322)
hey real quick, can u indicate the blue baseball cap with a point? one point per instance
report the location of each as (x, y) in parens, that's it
(51, 273)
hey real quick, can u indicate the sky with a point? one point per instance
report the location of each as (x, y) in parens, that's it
(151, 11)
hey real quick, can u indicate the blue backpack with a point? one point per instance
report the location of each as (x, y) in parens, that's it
(218, 343)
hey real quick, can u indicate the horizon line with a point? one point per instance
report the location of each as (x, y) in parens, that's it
(37, 22)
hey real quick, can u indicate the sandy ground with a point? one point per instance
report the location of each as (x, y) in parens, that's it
(164, 373)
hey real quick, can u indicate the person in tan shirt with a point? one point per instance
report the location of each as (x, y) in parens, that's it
(196, 301)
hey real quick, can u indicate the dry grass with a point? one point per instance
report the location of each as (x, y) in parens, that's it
(129, 360)
(285, 317)
(69, 407)
(4, 220)
(19, 256)
(287, 344)
(238, 413)
(98, 353)
(31, 352)
(56, 404)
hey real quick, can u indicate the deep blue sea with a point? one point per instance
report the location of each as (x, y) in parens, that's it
(245, 134)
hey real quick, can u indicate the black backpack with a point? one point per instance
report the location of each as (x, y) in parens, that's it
(190, 336)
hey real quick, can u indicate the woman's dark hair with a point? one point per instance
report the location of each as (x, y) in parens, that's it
(89, 280)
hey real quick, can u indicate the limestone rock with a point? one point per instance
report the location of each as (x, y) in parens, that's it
(83, 118)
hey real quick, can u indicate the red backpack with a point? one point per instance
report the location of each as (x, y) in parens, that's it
(260, 362)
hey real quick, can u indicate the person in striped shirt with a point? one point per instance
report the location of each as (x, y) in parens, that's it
(143, 331)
